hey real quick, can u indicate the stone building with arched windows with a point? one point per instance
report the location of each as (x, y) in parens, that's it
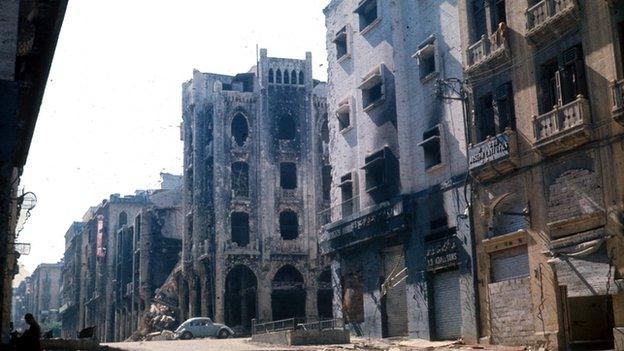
(255, 158)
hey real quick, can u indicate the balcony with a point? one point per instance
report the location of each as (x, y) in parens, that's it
(549, 19)
(489, 52)
(563, 128)
(494, 156)
(617, 93)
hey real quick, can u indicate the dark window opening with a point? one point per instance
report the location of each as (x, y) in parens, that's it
(325, 295)
(326, 179)
(621, 37)
(367, 12)
(301, 77)
(293, 77)
(240, 228)
(346, 191)
(288, 294)
(426, 62)
(271, 75)
(289, 225)
(505, 107)
(373, 95)
(240, 129)
(485, 118)
(381, 169)
(499, 14)
(341, 43)
(122, 220)
(240, 179)
(288, 175)
(286, 77)
(563, 79)
(278, 76)
(287, 128)
(431, 147)
(478, 13)
(240, 297)
(325, 131)
(438, 219)
(344, 115)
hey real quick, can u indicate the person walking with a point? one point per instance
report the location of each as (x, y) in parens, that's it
(30, 340)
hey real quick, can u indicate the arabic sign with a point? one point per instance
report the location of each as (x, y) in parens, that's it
(442, 253)
(489, 150)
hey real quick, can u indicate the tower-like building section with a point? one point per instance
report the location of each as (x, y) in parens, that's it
(255, 157)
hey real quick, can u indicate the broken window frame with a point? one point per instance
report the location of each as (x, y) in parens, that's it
(368, 15)
(377, 170)
(240, 179)
(286, 127)
(343, 114)
(341, 44)
(373, 88)
(427, 58)
(348, 189)
(288, 181)
(432, 147)
(494, 112)
(244, 135)
(290, 229)
(562, 79)
(240, 233)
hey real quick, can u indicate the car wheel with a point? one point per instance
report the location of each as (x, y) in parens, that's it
(223, 334)
(186, 335)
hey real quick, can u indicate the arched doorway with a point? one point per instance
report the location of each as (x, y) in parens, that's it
(324, 295)
(288, 295)
(240, 297)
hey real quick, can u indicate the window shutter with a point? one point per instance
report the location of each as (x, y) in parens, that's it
(558, 89)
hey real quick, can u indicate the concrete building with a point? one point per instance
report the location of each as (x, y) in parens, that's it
(148, 250)
(399, 239)
(40, 295)
(70, 288)
(29, 31)
(253, 161)
(546, 164)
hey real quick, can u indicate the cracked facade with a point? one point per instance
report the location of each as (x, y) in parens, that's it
(399, 241)
(255, 156)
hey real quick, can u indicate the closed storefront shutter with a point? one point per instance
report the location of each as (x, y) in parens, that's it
(447, 305)
(509, 264)
(395, 298)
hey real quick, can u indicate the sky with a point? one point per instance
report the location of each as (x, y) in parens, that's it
(109, 121)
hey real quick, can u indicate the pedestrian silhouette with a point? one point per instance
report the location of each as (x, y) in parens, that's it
(30, 339)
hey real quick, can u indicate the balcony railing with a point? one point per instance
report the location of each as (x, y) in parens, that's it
(489, 51)
(617, 93)
(549, 17)
(564, 127)
(494, 156)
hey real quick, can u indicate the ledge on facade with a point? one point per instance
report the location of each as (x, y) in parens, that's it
(489, 52)
(494, 156)
(505, 241)
(563, 128)
(617, 96)
(549, 19)
(576, 224)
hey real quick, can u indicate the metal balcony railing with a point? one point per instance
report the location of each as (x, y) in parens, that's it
(561, 120)
(547, 12)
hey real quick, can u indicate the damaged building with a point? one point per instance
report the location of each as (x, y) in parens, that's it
(39, 294)
(255, 157)
(546, 162)
(399, 239)
(117, 256)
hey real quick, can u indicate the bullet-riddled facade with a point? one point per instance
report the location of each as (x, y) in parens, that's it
(253, 169)
(545, 84)
(400, 240)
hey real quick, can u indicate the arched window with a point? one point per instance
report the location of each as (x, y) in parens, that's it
(289, 225)
(240, 129)
(278, 76)
(293, 77)
(510, 214)
(288, 175)
(122, 219)
(240, 179)
(287, 128)
(239, 228)
(286, 77)
(270, 75)
(301, 77)
(288, 295)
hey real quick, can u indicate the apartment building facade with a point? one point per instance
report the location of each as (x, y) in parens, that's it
(399, 238)
(545, 160)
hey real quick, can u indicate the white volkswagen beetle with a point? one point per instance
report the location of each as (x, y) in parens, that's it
(202, 327)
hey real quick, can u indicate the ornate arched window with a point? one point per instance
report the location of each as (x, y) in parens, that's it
(278, 76)
(301, 77)
(286, 77)
(240, 129)
(293, 77)
(270, 75)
